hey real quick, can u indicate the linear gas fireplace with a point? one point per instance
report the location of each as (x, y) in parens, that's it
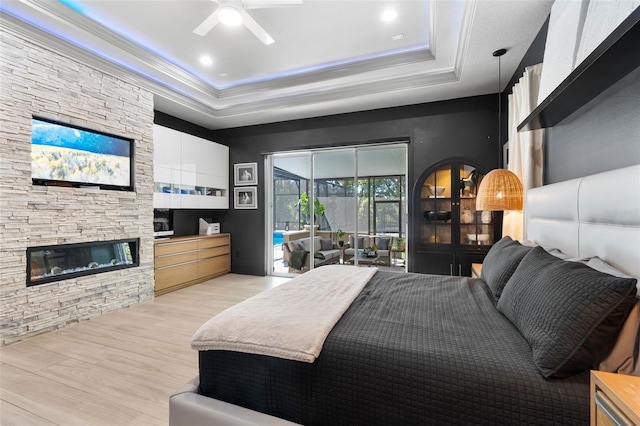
(47, 264)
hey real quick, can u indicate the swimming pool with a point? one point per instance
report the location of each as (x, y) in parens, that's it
(278, 238)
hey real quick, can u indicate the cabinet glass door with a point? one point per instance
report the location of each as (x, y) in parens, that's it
(476, 227)
(436, 206)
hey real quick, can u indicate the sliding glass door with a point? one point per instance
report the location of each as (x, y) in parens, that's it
(326, 196)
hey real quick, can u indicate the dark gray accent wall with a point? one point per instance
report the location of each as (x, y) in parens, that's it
(602, 135)
(458, 128)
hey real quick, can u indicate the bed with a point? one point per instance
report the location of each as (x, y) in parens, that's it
(513, 347)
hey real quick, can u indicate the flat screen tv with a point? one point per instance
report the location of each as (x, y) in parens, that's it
(67, 155)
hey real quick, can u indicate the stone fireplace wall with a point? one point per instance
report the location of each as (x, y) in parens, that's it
(38, 81)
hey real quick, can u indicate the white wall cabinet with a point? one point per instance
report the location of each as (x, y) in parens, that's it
(189, 172)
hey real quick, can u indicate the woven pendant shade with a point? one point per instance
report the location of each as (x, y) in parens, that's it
(499, 190)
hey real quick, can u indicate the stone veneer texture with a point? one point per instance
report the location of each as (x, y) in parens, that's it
(38, 81)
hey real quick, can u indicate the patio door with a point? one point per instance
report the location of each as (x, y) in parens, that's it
(324, 193)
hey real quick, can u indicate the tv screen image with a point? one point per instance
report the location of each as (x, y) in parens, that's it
(63, 153)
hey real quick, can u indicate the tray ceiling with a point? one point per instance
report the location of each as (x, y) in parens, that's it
(327, 57)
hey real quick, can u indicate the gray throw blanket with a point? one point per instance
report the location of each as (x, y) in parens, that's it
(297, 258)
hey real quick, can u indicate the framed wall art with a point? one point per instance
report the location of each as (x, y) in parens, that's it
(245, 174)
(245, 197)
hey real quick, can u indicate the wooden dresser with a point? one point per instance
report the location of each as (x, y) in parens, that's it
(615, 399)
(184, 261)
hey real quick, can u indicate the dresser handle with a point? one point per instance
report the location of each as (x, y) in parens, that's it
(610, 411)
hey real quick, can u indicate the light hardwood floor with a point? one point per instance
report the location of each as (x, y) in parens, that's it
(117, 369)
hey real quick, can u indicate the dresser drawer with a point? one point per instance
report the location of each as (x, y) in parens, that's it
(222, 240)
(172, 247)
(607, 414)
(174, 259)
(214, 266)
(175, 275)
(213, 252)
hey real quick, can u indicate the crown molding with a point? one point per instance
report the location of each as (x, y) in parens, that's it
(111, 53)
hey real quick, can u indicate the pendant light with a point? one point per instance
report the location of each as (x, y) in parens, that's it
(500, 189)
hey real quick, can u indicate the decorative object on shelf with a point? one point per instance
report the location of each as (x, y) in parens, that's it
(207, 227)
(469, 184)
(486, 216)
(245, 174)
(480, 239)
(245, 198)
(434, 239)
(435, 191)
(466, 216)
(500, 189)
(432, 216)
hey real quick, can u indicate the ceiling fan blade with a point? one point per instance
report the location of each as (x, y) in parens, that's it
(208, 23)
(261, 4)
(255, 28)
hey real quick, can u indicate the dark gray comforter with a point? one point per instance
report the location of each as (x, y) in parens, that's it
(411, 349)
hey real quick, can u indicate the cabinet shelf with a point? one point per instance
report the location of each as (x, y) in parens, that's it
(449, 247)
(613, 59)
(204, 191)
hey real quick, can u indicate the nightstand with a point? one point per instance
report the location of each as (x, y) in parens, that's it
(615, 399)
(476, 270)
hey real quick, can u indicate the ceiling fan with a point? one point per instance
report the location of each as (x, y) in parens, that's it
(233, 13)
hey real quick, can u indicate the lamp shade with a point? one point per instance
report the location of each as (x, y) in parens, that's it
(499, 190)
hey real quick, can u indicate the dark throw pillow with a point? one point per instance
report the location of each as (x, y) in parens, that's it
(383, 243)
(500, 263)
(569, 314)
(326, 244)
(360, 242)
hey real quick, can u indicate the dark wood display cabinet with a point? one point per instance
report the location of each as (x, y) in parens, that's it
(450, 234)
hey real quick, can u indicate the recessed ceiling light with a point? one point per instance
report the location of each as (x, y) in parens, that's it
(397, 37)
(389, 15)
(230, 16)
(206, 60)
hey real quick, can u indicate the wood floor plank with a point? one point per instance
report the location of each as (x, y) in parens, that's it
(59, 403)
(31, 355)
(119, 368)
(16, 416)
(148, 396)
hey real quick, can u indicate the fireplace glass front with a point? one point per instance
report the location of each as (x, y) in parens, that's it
(46, 264)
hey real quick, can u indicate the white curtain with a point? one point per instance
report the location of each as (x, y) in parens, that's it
(525, 148)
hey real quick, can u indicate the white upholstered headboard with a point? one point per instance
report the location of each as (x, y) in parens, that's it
(598, 215)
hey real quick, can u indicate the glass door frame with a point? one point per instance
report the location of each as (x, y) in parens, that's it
(269, 195)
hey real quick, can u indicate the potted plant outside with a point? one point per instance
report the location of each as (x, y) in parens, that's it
(398, 244)
(339, 234)
(305, 207)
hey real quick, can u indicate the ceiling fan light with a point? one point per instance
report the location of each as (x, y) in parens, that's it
(389, 15)
(206, 60)
(230, 16)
